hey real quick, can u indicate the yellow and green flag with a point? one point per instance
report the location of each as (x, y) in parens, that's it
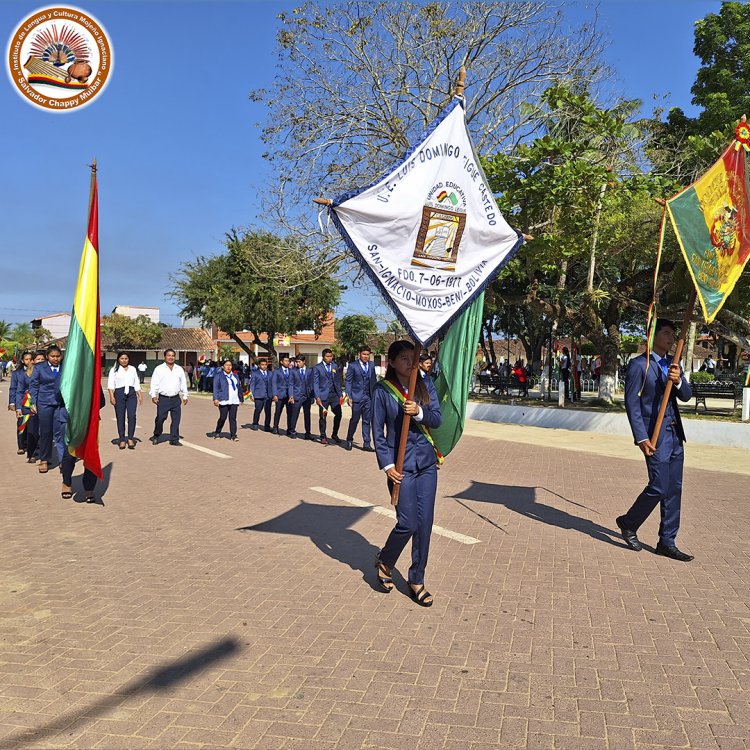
(80, 381)
(711, 219)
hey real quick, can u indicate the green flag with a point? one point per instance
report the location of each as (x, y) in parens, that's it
(457, 356)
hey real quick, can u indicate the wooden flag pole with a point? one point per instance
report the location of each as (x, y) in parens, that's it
(677, 357)
(461, 82)
(405, 424)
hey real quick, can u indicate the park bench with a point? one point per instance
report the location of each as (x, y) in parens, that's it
(716, 389)
(499, 385)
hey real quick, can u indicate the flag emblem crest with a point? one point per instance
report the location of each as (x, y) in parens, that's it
(443, 223)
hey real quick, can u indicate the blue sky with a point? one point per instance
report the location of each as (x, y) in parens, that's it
(179, 150)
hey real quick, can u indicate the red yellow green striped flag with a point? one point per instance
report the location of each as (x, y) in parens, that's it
(80, 382)
(711, 219)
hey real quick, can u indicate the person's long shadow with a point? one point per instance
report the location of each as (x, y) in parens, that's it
(328, 528)
(162, 678)
(525, 501)
(79, 495)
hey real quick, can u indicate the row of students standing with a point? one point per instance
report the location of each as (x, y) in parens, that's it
(293, 388)
(42, 417)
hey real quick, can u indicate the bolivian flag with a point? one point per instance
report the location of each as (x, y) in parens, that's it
(80, 382)
(711, 219)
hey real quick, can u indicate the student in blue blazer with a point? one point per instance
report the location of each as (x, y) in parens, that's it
(327, 394)
(360, 386)
(665, 462)
(260, 387)
(227, 397)
(44, 389)
(416, 504)
(15, 401)
(283, 395)
(23, 385)
(302, 386)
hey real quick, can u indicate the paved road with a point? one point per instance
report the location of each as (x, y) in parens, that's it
(228, 602)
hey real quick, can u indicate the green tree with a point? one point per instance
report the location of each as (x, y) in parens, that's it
(352, 331)
(4, 329)
(228, 289)
(358, 82)
(577, 187)
(123, 332)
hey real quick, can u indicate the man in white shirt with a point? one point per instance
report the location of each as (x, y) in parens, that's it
(169, 392)
(142, 367)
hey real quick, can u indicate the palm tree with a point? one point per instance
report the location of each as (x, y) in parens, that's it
(4, 329)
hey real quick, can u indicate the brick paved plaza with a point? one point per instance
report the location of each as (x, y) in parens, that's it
(221, 601)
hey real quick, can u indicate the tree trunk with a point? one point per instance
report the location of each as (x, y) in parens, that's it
(490, 344)
(483, 344)
(237, 340)
(690, 346)
(610, 347)
(594, 238)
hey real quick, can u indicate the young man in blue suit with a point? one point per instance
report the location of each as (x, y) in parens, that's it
(327, 393)
(283, 395)
(360, 385)
(664, 462)
(302, 388)
(260, 386)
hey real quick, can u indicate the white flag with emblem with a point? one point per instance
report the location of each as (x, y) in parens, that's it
(429, 233)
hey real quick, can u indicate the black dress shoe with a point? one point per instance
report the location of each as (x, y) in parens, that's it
(176, 442)
(275, 431)
(628, 535)
(367, 448)
(673, 552)
(253, 426)
(335, 439)
(323, 441)
(308, 436)
(154, 439)
(347, 445)
(292, 435)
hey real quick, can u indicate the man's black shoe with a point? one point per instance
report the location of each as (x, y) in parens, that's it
(275, 431)
(253, 426)
(367, 448)
(628, 535)
(175, 442)
(323, 441)
(347, 445)
(309, 436)
(292, 435)
(673, 552)
(154, 439)
(335, 439)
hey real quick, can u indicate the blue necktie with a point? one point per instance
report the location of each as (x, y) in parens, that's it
(230, 378)
(664, 367)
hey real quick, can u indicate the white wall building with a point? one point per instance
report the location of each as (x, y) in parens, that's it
(57, 324)
(133, 311)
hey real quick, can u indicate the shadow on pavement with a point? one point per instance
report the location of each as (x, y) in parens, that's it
(524, 500)
(327, 526)
(79, 494)
(160, 679)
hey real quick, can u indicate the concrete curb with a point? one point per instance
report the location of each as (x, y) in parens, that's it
(698, 431)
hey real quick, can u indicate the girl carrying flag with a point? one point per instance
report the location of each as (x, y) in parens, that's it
(416, 505)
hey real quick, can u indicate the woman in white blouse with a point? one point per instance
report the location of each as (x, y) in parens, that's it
(124, 388)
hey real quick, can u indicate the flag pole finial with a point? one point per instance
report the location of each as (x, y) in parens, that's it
(461, 82)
